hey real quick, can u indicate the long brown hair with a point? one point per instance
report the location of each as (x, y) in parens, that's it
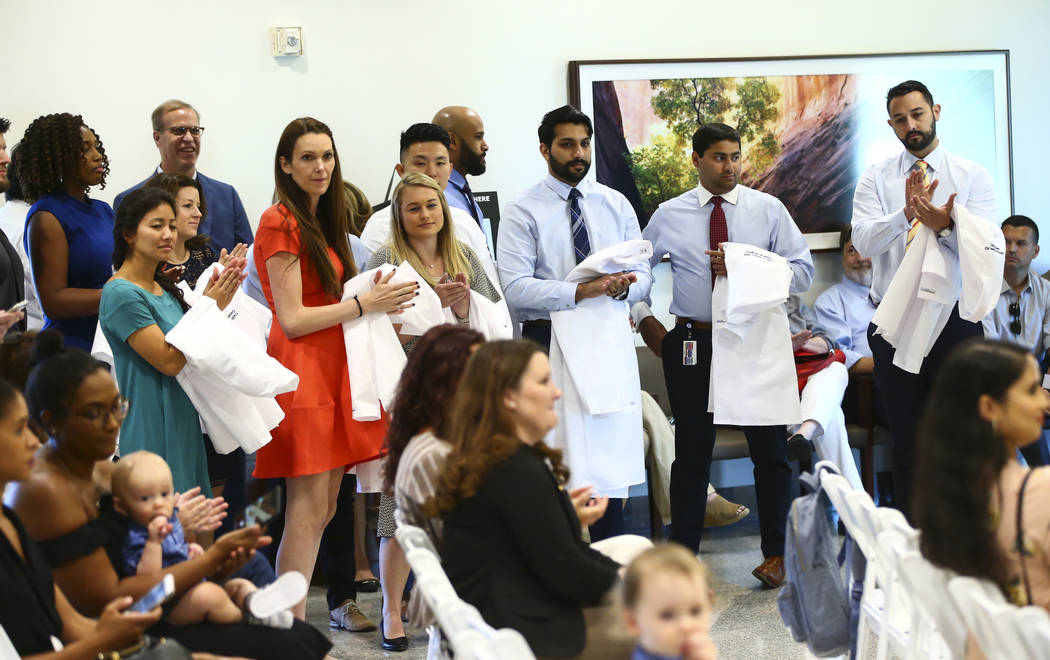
(479, 427)
(448, 247)
(329, 228)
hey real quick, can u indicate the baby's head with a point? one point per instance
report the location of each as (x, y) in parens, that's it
(142, 487)
(667, 599)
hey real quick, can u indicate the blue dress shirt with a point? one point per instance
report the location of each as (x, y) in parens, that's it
(456, 196)
(535, 253)
(253, 286)
(1034, 301)
(680, 228)
(880, 229)
(225, 223)
(845, 310)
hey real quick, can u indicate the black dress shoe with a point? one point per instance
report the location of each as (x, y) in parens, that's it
(396, 644)
(799, 448)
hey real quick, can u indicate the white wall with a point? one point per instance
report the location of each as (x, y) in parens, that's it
(372, 68)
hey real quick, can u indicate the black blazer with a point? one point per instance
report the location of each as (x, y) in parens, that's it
(515, 551)
(15, 275)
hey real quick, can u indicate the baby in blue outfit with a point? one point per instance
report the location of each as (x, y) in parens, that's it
(668, 604)
(143, 491)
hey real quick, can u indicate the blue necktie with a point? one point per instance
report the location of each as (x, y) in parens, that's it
(470, 200)
(579, 228)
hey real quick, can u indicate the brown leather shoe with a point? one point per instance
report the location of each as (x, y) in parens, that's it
(348, 617)
(771, 572)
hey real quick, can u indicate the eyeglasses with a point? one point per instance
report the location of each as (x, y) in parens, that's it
(1015, 311)
(179, 131)
(98, 416)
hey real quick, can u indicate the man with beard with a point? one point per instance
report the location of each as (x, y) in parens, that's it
(690, 229)
(467, 149)
(1022, 314)
(552, 227)
(177, 133)
(845, 309)
(12, 280)
(919, 185)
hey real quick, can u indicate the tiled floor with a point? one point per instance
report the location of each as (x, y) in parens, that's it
(746, 624)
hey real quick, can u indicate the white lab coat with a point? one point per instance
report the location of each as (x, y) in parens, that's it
(230, 380)
(931, 279)
(753, 379)
(374, 355)
(594, 362)
(246, 312)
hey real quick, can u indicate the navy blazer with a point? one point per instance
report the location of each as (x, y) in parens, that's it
(226, 222)
(515, 551)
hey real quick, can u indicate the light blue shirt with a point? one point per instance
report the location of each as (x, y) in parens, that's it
(680, 228)
(535, 252)
(846, 310)
(253, 287)
(1035, 315)
(456, 196)
(880, 228)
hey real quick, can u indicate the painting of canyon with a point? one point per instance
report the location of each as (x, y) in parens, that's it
(806, 139)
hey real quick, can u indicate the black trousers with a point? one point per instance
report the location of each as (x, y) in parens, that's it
(612, 522)
(694, 440)
(337, 547)
(904, 395)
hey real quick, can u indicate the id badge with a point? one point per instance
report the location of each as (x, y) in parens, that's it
(689, 353)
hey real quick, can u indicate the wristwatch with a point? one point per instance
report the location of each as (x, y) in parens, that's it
(946, 232)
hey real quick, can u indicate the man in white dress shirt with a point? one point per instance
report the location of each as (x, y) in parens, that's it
(553, 226)
(893, 197)
(424, 149)
(683, 228)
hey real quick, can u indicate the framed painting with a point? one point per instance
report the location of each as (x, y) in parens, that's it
(809, 126)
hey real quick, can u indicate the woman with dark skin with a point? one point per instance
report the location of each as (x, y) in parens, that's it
(69, 236)
(65, 506)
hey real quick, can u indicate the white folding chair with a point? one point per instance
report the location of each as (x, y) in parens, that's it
(460, 622)
(1031, 625)
(982, 607)
(942, 631)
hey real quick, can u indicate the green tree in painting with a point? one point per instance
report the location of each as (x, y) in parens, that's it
(756, 113)
(685, 103)
(661, 171)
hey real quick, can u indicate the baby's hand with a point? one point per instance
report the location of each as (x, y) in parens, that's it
(158, 528)
(698, 646)
(195, 550)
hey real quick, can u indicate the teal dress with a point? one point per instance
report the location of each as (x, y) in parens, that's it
(161, 418)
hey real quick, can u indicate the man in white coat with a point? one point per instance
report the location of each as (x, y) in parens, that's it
(551, 228)
(690, 229)
(894, 197)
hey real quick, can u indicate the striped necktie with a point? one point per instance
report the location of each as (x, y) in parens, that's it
(580, 242)
(923, 167)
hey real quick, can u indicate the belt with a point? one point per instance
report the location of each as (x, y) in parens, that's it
(699, 325)
(542, 323)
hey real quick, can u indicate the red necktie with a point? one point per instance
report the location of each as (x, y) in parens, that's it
(719, 231)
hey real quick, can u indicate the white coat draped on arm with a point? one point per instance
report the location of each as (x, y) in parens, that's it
(594, 362)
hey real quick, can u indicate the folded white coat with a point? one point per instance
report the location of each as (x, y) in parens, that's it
(230, 380)
(250, 316)
(593, 360)
(753, 379)
(932, 278)
(374, 355)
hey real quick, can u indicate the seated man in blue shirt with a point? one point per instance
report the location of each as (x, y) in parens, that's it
(177, 133)
(845, 309)
(1023, 312)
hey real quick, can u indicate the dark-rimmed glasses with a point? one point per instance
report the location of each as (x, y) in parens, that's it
(179, 131)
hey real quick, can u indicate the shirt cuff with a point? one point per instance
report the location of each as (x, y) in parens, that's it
(567, 296)
(639, 312)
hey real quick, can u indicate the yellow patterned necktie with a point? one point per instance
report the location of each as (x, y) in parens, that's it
(923, 167)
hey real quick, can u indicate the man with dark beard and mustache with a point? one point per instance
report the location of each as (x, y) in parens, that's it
(845, 309)
(551, 228)
(893, 197)
(467, 148)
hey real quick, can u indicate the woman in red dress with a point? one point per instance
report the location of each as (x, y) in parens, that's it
(304, 256)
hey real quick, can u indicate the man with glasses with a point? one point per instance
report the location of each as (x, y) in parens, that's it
(177, 133)
(1023, 312)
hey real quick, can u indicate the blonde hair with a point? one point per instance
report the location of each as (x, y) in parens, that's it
(448, 247)
(668, 558)
(157, 118)
(120, 480)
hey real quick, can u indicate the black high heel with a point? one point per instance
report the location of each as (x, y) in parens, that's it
(396, 644)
